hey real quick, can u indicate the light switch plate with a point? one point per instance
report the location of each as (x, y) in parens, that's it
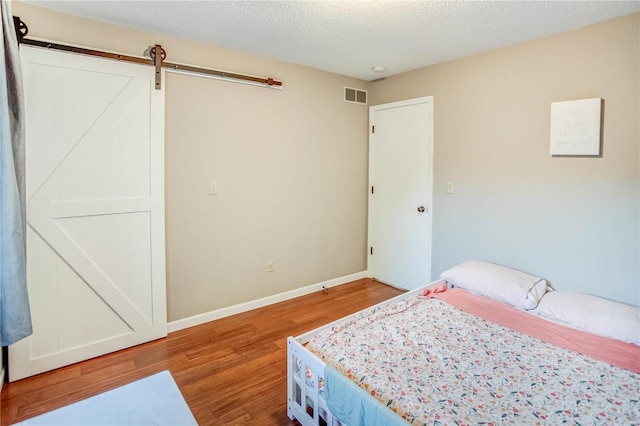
(450, 188)
(213, 187)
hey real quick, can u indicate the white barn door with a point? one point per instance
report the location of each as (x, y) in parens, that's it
(95, 209)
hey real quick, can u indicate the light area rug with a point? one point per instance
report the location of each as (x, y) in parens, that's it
(154, 400)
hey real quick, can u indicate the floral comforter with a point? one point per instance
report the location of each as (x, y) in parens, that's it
(434, 364)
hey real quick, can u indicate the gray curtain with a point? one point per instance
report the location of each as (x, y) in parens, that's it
(15, 315)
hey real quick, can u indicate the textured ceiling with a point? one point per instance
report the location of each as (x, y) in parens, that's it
(352, 37)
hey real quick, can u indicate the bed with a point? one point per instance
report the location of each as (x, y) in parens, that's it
(442, 355)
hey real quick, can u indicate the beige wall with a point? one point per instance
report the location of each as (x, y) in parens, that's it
(574, 221)
(291, 166)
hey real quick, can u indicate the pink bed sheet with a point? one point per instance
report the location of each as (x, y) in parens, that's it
(612, 351)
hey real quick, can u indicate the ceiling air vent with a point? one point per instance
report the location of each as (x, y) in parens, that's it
(355, 95)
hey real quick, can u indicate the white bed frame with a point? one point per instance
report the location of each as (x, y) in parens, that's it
(305, 372)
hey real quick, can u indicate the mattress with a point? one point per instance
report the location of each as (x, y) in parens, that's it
(432, 362)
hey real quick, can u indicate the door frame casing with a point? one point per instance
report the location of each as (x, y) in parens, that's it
(397, 104)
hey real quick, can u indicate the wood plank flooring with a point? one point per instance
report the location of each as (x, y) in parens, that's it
(230, 371)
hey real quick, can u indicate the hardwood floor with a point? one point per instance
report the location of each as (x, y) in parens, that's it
(230, 371)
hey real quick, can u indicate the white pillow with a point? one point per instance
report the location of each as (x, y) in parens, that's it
(593, 314)
(497, 282)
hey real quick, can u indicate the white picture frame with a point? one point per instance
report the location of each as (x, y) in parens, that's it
(575, 127)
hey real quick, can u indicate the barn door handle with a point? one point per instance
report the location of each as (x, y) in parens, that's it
(421, 209)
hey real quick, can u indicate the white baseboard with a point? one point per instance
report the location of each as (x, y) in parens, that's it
(259, 303)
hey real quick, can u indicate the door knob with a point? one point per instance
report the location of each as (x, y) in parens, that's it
(421, 209)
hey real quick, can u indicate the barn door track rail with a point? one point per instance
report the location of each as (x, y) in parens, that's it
(156, 60)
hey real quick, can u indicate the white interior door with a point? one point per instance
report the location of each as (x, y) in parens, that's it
(95, 209)
(400, 193)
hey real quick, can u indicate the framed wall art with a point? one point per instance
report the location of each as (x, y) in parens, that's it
(575, 127)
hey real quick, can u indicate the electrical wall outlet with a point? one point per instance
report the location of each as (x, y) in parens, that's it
(270, 265)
